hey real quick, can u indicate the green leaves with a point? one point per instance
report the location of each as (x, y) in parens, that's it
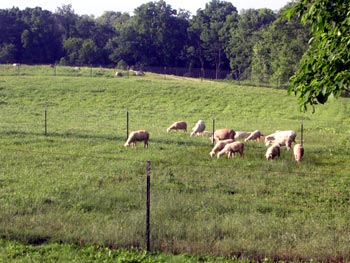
(324, 68)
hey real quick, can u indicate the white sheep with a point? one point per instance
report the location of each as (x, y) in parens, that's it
(139, 73)
(137, 136)
(178, 125)
(282, 141)
(223, 134)
(242, 135)
(273, 151)
(219, 146)
(298, 151)
(280, 136)
(255, 135)
(199, 128)
(207, 133)
(231, 148)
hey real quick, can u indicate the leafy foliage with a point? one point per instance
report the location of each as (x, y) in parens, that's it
(324, 69)
(253, 45)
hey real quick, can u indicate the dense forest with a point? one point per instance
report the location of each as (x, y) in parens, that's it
(255, 44)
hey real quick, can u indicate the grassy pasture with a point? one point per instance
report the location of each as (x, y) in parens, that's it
(79, 185)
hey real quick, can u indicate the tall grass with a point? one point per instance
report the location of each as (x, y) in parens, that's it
(78, 184)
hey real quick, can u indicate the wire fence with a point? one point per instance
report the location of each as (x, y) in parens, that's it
(194, 207)
(182, 204)
(93, 71)
(110, 72)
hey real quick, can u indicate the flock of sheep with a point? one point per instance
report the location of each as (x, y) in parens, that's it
(226, 143)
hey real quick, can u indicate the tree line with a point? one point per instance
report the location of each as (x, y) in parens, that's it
(256, 44)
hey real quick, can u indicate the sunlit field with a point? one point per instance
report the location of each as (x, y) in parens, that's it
(65, 176)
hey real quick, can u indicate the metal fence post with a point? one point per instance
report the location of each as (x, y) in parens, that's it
(212, 141)
(302, 133)
(45, 120)
(127, 124)
(148, 206)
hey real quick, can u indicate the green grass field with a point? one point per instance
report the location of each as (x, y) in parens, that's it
(78, 184)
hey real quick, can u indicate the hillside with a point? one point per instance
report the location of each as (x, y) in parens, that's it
(78, 184)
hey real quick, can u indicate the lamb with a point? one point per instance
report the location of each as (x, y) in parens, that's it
(178, 125)
(241, 134)
(298, 151)
(198, 128)
(255, 135)
(273, 151)
(219, 146)
(223, 134)
(232, 148)
(137, 136)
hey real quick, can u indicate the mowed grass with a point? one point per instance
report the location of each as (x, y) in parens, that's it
(78, 184)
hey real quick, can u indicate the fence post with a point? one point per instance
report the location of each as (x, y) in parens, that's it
(45, 120)
(302, 132)
(127, 124)
(212, 141)
(148, 206)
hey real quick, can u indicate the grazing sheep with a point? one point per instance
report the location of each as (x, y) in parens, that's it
(199, 128)
(178, 125)
(119, 74)
(137, 136)
(282, 141)
(219, 146)
(77, 68)
(273, 151)
(207, 133)
(255, 135)
(231, 148)
(223, 134)
(298, 151)
(280, 136)
(261, 138)
(242, 135)
(139, 73)
(16, 64)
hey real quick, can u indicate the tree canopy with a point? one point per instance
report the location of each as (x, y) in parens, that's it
(252, 45)
(325, 67)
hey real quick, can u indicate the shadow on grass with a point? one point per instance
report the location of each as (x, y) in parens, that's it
(108, 137)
